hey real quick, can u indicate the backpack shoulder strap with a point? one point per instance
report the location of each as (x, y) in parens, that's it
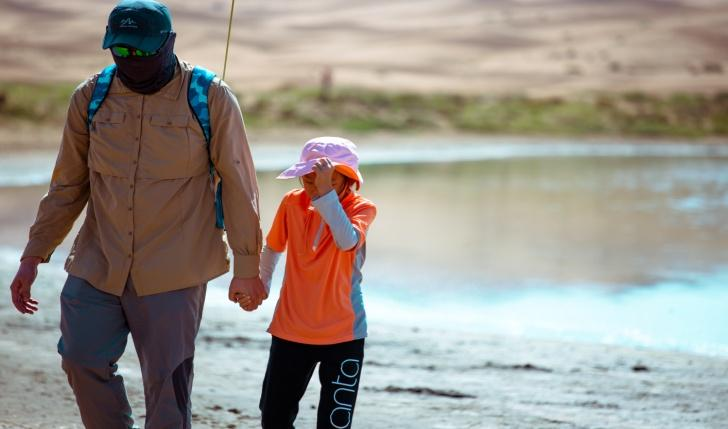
(101, 89)
(197, 97)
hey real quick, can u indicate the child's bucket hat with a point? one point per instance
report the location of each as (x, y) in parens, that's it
(340, 151)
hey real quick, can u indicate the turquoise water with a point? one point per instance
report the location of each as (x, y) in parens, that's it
(601, 242)
(686, 314)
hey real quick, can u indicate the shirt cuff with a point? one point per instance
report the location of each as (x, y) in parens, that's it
(246, 266)
(39, 250)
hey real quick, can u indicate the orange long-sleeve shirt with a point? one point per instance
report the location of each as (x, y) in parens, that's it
(321, 300)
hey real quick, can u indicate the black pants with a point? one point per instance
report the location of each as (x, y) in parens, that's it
(290, 367)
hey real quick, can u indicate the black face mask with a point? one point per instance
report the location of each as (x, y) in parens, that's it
(147, 75)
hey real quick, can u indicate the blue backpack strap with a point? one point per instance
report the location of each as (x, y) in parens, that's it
(197, 97)
(101, 89)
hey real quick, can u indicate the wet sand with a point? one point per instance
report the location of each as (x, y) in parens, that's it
(413, 378)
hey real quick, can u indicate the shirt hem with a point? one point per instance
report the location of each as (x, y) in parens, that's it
(316, 341)
(95, 282)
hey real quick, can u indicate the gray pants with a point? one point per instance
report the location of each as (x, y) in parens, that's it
(94, 329)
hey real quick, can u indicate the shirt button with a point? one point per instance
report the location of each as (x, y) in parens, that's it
(137, 139)
(131, 186)
(129, 256)
(139, 116)
(129, 232)
(130, 209)
(134, 162)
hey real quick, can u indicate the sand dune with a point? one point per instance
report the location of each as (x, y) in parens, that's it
(541, 47)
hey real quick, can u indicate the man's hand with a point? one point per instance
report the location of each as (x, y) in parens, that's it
(248, 293)
(20, 288)
(324, 170)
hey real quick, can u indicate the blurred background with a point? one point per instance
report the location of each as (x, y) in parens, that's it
(551, 170)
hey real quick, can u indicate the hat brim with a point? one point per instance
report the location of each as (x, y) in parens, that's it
(350, 173)
(303, 168)
(144, 43)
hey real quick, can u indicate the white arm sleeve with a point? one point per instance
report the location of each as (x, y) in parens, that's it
(268, 261)
(332, 212)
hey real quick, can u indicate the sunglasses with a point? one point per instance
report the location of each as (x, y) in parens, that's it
(126, 52)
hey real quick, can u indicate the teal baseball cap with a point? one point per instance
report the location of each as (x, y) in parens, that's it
(141, 24)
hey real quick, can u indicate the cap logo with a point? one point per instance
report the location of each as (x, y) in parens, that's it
(128, 23)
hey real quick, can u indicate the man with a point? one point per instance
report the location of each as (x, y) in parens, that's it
(149, 242)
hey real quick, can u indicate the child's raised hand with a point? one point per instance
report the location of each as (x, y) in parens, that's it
(324, 170)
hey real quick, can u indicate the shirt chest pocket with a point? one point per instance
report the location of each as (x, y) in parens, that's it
(109, 144)
(170, 148)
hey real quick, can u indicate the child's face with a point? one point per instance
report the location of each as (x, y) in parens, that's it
(338, 182)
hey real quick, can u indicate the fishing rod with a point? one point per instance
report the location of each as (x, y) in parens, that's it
(227, 45)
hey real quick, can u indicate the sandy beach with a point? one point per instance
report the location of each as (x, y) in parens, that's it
(414, 378)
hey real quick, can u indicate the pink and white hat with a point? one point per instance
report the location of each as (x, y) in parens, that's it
(340, 151)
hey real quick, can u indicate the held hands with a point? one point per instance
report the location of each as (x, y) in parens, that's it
(248, 293)
(324, 170)
(20, 288)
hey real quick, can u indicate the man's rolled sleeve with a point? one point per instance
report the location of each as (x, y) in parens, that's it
(69, 189)
(233, 161)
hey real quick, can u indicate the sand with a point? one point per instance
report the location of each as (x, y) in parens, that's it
(537, 47)
(413, 378)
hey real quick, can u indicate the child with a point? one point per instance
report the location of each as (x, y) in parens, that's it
(320, 316)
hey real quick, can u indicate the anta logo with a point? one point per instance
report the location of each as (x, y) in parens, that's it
(128, 23)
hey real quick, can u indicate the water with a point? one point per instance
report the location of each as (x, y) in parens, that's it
(34, 168)
(686, 314)
(615, 243)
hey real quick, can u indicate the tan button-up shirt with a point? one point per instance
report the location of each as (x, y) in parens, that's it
(143, 169)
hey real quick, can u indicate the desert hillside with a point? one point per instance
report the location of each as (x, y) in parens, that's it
(536, 47)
